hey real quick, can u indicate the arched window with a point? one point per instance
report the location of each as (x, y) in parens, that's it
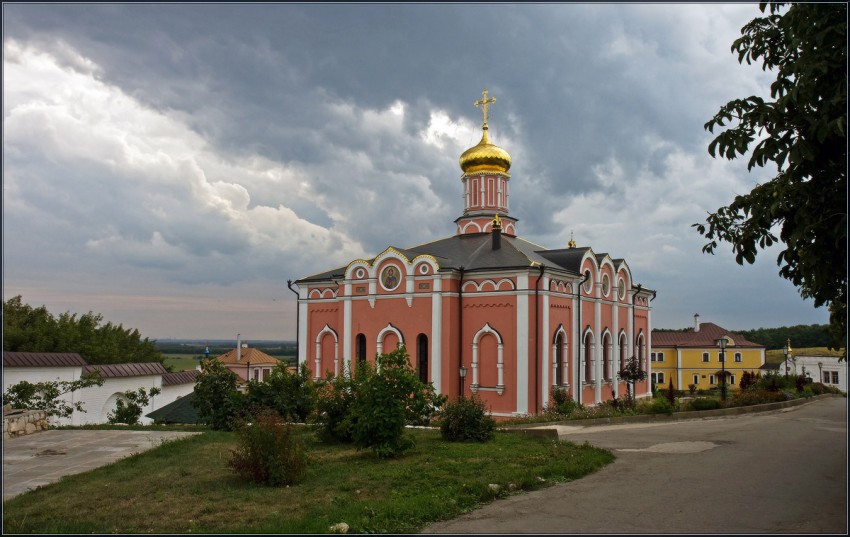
(360, 344)
(422, 357)
(606, 356)
(559, 360)
(641, 352)
(588, 357)
(623, 349)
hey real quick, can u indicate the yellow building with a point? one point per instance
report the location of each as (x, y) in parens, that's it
(693, 356)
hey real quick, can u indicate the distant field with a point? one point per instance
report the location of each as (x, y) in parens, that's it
(185, 362)
(181, 362)
(778, 355)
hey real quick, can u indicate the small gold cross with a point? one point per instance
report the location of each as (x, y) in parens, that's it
(484, 103)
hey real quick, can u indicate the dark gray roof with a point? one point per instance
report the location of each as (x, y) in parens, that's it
(180, 411)
(474, 251)
(127, 370)
(42, 359)
(181, 377)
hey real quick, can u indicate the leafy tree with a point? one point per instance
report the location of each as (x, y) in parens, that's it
(802, 131)
(31, 329)
(387, 400)
(371, 407)
(217, 396)
(129, 408)
(334, 401)
(49, 396)
(632, 373)
(291, 394)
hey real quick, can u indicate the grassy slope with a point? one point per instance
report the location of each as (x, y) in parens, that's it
(185, 486)
(778, 355)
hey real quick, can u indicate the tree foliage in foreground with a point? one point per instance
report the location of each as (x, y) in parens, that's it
(802, 131)
(50, 395)
(29, 329)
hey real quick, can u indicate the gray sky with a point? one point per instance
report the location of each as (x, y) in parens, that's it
(171, 166)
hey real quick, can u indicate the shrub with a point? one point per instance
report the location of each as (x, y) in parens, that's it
(749, 380)
(756, 397)
(671, 394)
(561, 404)
(217, 398)
(705, 403)
(269, 452)
(387, 399)
(334, 400)
(129, 408)
(658, 405)
(692, 388)
(466, 419)
(289, 393)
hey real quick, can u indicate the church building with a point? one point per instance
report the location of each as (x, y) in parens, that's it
(484, 311)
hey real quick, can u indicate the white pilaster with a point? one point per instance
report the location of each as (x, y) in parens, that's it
(544, 343)
(437, 334)
(522, 346)
(346, 326)
(600, 346)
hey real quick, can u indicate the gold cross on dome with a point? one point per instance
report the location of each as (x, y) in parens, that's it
(484, 103)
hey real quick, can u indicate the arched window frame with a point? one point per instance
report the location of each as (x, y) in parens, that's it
(588, 360)
(500, 386)
(560, 343)
(318, 369)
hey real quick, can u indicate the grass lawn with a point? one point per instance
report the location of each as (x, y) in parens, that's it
(185, 486)
(181, 362)
(778, 355)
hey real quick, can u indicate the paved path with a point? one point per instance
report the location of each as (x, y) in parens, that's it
(39, 459)
(782, 471)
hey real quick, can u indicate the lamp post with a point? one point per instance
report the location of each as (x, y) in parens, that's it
(722, 344)
(820, 371)
(787, 350)
(462, 378)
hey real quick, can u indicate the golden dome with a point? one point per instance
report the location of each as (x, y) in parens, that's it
(485, 157)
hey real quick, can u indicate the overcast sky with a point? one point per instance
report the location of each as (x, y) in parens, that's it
(171, 166)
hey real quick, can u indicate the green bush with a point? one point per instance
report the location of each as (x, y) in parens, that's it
(465, 419)
(388, 399)
(217, 397)
(705, 403)
(269, 452)
(289, 393)
(657, 405)
(756, 396)
(561, 404)
(371, 407)
(334, 400)
(129, 408)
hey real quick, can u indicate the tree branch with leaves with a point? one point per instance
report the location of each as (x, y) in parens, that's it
(802, 131)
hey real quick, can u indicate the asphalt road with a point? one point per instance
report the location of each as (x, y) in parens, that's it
(783, 471)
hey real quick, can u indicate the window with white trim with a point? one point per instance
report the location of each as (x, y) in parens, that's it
(658, 378)
(705, 357)
(711, 380)
(731, 380)
(834, 377)
(738, 357)
(696, 379)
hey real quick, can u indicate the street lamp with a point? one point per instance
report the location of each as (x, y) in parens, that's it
(722, 344)
(787, 352)
(820, 371)
(462, 377)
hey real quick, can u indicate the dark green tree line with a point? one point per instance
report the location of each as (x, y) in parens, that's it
(801, 131)
(29, 329)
